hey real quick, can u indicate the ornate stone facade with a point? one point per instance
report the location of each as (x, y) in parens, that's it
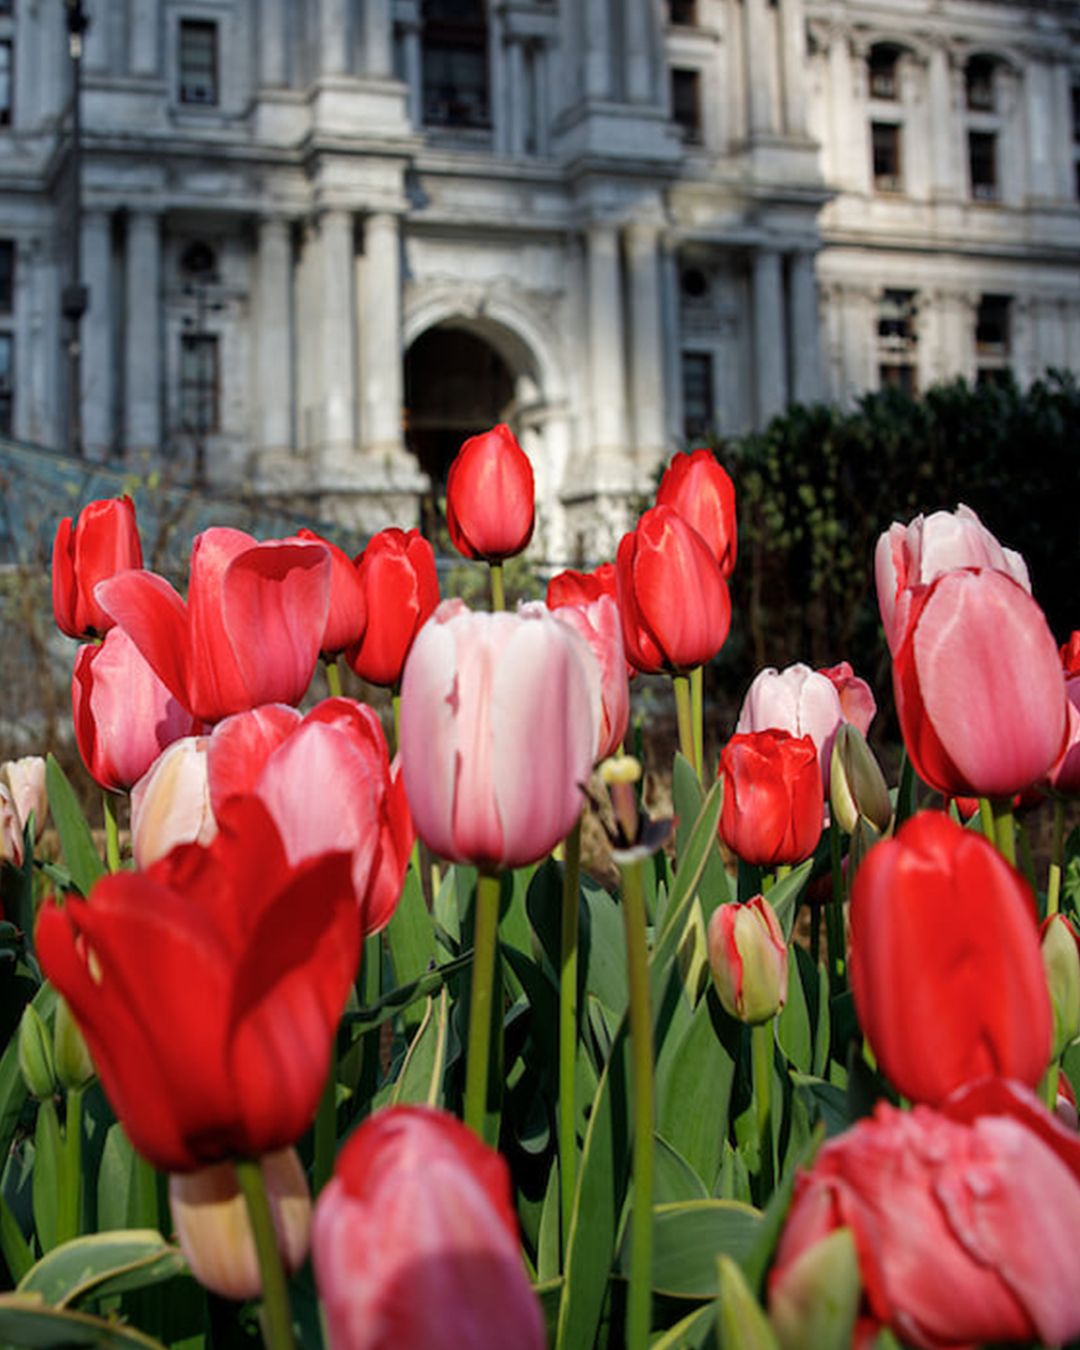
(325, 239)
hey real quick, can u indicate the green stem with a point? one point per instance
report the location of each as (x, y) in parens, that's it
(686, 719)
(568, 1013)
(697, 715)
(1004, 830)
(1057, 856)
(112, 834)
(69, 1197)
(762, 1046)
(498, 594)
(986, 818)
(639, 1287)
(397, 720)
(835, 937)
(277, 1325)
(326, 1128)
(485, 946)
(333, 678)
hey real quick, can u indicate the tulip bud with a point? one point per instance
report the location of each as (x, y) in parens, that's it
(214, 1230)
(74, 1067)
(1061, 958)
(741, 1323)
(25, 780)
(35, 1055)
(857, 787)
(816, 1300)
(749, 958)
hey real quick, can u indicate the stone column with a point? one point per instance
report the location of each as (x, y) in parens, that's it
(943, 128)
(515, 102)
(1061, 134)
(606, 337)
(758, 65)
(770, 358)
(143, 37)
(805, 330)
(382, 383)
(273, 60)
(378, 39)
(639, 63)
(849, 131)
(672, 345)
(273, 338)
(646, 345)
(597, 53)
(98, 365)
(792, 20)
(337, 365)
(414, 73)
(142, 335)
(333, 37)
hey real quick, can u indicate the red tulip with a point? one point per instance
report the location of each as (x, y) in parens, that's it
(579, 588)
(772, 809)
(748, 957)
(499, 717)
(698, 486)
(599, 624)
(674, 602)
(103, 540)
(124, 715)
(415, 1241)
(250, 631)
(490, 497)
(946, 965)
(909, 557)
(964, 1222)
(209, 989)
(401, 589)
(979, 689)
(347, 616)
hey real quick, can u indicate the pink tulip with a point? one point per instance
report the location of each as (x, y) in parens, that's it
(599, 624)
(415, 1242)
(857, 701)
(346, 618)
(909, 556)
(980, 693)
(170, 804)
(798, 700)
(499, 718)
(251, 628)
(124, 714)
(964, 1221)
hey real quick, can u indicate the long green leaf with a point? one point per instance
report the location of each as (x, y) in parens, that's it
(102, 1264)
(691, 866)
(76, 839)
(411, 942)
(27, 1323)
(688, 1237)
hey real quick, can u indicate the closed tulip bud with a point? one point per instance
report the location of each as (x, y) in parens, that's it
(816, 1301)
(25, 781)
(748, 957)
(1061, 957)
(74, 1066)
(741, 1325)
(214, 1230)
(857, 787)
(401, 591)
(698, 486)
(35, 1055)
(490, 497)
(102, 541)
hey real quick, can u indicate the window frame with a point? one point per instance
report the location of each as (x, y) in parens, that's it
(7, 105)
(706, 376)
(692, 127)
(192, 388)
(7, 276)
(188, 80)
(984, 189)
(888, 184)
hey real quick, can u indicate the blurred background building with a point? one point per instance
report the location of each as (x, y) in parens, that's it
(302, 248)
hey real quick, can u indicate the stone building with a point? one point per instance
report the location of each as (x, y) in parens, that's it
(324, 240)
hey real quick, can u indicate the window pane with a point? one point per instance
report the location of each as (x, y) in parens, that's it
(900, 377)
(992, 326)
(199, 382)
(7, 275)
(979, 79)
(883, 81)
(7, 355)
(982, 156)
(198, 62)
(683, 12)
(5, 84)
(885, 140)
(686, 104)
(697, 382)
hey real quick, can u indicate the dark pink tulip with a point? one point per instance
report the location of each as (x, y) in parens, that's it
(124, 715)
(347, 616)
(857, 701)
(980, 693)
(499, 717)
(910, 556)
(698, 486)
(415, 1243)
(964, 1222)
(103, 540)
(251, 628)
(599, 624)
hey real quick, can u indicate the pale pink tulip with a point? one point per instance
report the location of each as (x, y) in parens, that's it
(908, 556)
(170, 804)
(798, 700)
(499, 718)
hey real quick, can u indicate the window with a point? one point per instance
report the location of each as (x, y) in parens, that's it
(992, 339)
(7, 276)
(199, 383)
(7, 384)
(6, 84)
(455, 58)
(896, 341)
(882, 63)
(198, 62)
(979, 82)
(1076, 114)
(686, 104)
(885, 140)
(697, 392)
(683, 12)
(982, 161)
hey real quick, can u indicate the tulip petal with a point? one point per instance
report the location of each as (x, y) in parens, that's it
(429, 753)
(241, 745)
(154, 616)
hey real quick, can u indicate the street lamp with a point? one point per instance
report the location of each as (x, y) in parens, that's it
(75, 297)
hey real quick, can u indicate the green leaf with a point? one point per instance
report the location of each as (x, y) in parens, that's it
(602, 950)
(688, 1237)
(16, 1249)
(102, 1264)
(793, 1028)
(784, 896)
(691, 867)
(694, 1082)
(364, 1020)
(421, 1078)
(410, 942)
(756, 1260)
(27, 1323)
(48, 1162)
(675, 1179)
(715, 886)
(76, 840)
(691, 1332)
